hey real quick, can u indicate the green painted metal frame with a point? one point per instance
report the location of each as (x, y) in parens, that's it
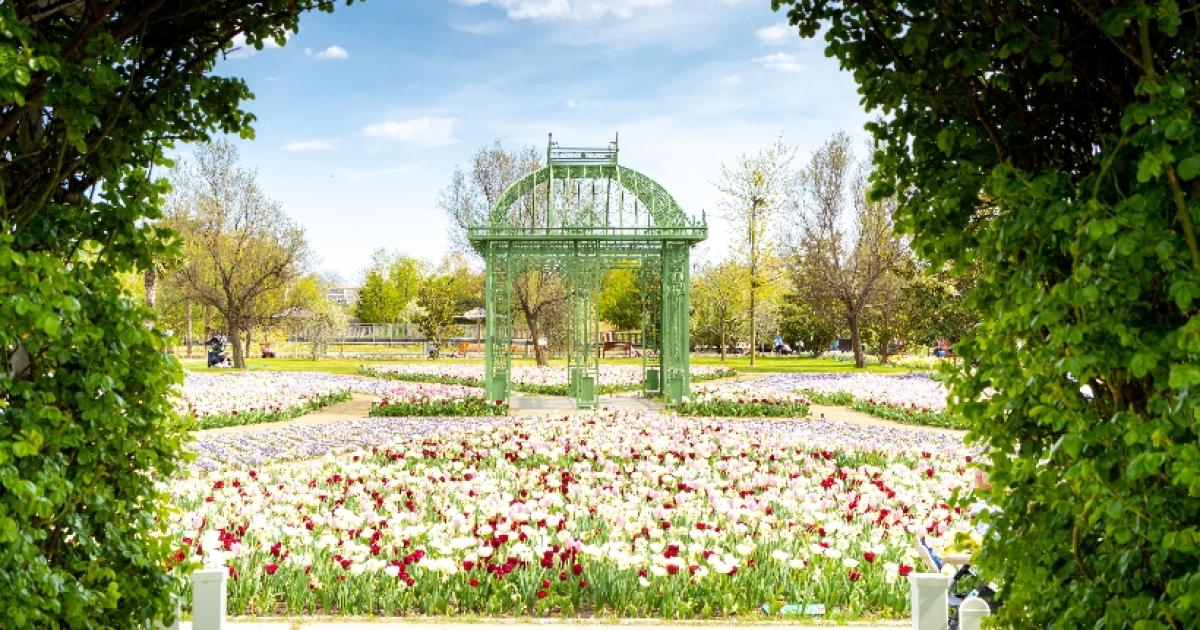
(579, 216)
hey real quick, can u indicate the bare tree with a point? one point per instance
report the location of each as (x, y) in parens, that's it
(719, 301)
(849, 262)
(242, 252)
(468, 200)
(755, 191)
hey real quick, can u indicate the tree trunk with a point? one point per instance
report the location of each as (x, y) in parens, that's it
(235, 340)
(856, 342)
(249, 335)
(753, 223)
(722, 344)
(206, 318)
(187, 330)
(151, 281)
(539, 351)
(753, 324)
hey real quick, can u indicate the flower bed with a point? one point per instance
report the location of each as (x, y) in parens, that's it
(837, 399)
(551, 381)
(238, 398)
(909, 398)
(630, 514)
(243, 398)
(742, 409)
(744, 399)
(261, 416)
(413, 399)
(272, 445)
(910, 415)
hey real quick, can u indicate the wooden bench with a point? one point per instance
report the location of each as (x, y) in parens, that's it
(617, 345)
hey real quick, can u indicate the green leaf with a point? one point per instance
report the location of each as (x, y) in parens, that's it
(1189, 167)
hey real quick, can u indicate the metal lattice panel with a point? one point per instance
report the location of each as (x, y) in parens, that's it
(579, 216)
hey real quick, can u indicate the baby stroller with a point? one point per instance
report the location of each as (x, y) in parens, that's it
(963, 584)
(216, 351)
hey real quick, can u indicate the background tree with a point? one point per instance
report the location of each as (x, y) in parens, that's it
(938, 299)
(807, 326)
(891, 316)
(91, 96)
(317, 319)
(755, 191)
(441, 298)
(468, 199)
(242, 251)
(840, 260)
(621, 299)
(389, 287)
(719, 303)
(376, 301)
(1056, 150)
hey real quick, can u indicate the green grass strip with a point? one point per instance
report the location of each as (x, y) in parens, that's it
(908, 415)
(460, 407)
(837, 399)
(734, 409)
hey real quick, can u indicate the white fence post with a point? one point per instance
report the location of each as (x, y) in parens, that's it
(930, 601)
(208, 599)
(971, 613)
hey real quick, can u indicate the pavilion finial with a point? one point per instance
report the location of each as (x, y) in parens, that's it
(581, 156)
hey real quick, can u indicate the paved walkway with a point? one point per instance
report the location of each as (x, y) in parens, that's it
(384, 623)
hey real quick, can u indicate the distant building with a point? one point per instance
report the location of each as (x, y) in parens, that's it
(344, 295)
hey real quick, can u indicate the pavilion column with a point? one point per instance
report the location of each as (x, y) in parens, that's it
(675, 322)
(498, 321)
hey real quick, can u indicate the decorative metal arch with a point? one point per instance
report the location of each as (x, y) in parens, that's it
(580, 215)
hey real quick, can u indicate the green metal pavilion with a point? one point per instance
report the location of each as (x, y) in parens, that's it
(578, 217)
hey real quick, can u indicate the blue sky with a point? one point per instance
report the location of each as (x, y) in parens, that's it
(364, 113)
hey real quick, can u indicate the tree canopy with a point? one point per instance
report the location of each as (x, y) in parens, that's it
(242, 252)
(1054, 148)
(92, 94)
(621, 299)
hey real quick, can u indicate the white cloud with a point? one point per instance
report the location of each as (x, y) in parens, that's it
(774, 35)
(731, 79)
(308, 145)
(333, 52)
(783, 62)
(425, 130)
(551, 10)
(571, 103)
(239, 49)
(380, 173)
(479, 28)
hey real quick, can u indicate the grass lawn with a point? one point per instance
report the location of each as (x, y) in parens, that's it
(742, 364)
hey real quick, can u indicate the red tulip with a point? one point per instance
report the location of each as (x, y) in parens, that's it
(271, 568)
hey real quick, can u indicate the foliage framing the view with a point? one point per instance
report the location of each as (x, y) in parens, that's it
(1056, 145)
(91, 96)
